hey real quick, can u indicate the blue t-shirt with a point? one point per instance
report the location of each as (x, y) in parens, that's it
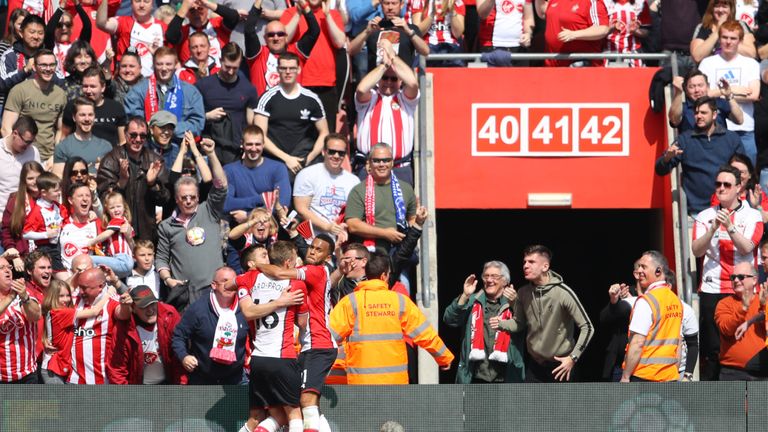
(91, 150)
(234, 97)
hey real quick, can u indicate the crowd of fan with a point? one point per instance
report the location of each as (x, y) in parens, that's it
(153, 152)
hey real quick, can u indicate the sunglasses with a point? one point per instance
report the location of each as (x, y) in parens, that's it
(62, 24)
(189, 172)
(726, 185)
(134, 135)
(341, 153)
(188, 198)
(82, 172)
(389, 78)
(381, 161)
(740, 277)
(275, 34)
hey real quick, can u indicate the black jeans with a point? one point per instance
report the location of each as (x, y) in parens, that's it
(709, 336)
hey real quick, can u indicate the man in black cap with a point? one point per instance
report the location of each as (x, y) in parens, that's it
(142, 353)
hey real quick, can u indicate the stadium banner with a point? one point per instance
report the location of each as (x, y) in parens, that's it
(503, 133)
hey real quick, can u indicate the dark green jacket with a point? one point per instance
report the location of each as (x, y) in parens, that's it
(460, 316)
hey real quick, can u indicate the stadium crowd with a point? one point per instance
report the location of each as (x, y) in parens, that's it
(191, 195)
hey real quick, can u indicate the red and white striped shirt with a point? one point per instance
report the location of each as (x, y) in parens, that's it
(626, 13)
(440, 30)
(388, 119)
(92, 345)
(130, 33)
(722, 256)
(118, 243)
(17, 343)
(318, 334)
(274, 332)
(504, 25)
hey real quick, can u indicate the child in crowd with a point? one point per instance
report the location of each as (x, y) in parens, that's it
(118, 236)
(144, 272)
(60, 316)
(43, 224)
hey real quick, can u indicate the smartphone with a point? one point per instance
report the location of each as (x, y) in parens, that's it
(291, 217)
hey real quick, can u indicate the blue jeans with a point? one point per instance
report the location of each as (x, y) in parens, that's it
(748, 141)
(360, 64)
(121, 264)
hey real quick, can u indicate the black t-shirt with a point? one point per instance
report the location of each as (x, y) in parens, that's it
(400, 42)
(109, 116)
(292, 119)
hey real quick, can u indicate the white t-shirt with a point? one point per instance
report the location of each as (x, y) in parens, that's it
(150, 279)
(154, 373)
(740, 71)
(329, 192)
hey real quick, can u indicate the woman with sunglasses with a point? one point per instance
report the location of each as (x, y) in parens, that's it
(58, 33)
(76, 171)
(14, 215)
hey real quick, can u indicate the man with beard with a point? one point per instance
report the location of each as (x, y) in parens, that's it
(110, 119)
(139, 175)
(163, 90)
(143, 353)
(701, 152)
(228, 98)
(254, 174)
(39, 275)
(40, 99)
(694, 86)
(82, 143)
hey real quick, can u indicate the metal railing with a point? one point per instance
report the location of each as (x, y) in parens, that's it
(681, 240)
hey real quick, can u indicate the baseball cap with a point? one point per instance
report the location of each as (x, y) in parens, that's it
(143, 296)
(162, 118)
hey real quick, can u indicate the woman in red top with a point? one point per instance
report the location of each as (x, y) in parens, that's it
(13, 215)
(573, 26)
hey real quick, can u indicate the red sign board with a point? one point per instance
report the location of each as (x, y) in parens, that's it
(504, 133)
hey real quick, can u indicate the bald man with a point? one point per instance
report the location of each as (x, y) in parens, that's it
(92, 338)
(213, 317)
(84, 262)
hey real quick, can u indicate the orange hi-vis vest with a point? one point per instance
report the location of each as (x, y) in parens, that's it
(375, 321)
(659, 357)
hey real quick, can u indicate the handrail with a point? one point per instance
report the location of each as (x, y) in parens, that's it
(426, 293)
(557, 56)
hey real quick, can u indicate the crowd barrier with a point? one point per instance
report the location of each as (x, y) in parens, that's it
(687, 407)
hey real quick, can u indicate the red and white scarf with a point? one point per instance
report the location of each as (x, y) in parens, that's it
(501, 342)
(225, 337)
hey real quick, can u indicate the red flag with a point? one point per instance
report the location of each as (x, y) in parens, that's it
(269, 200)
(306, 230)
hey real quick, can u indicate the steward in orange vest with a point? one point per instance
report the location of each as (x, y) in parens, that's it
(375, 322)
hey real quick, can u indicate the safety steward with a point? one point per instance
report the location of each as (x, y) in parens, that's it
(655, 325)
(375, 322)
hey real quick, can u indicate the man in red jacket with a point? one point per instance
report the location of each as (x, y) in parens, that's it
(142, 353)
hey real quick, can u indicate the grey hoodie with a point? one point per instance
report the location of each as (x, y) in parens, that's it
(550, 313)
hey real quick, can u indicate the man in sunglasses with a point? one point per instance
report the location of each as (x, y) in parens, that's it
(742, 359)
(700, 151)
(321, 190)
(263, 62)
(386, 101)
(725, 236)
(140, 175)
